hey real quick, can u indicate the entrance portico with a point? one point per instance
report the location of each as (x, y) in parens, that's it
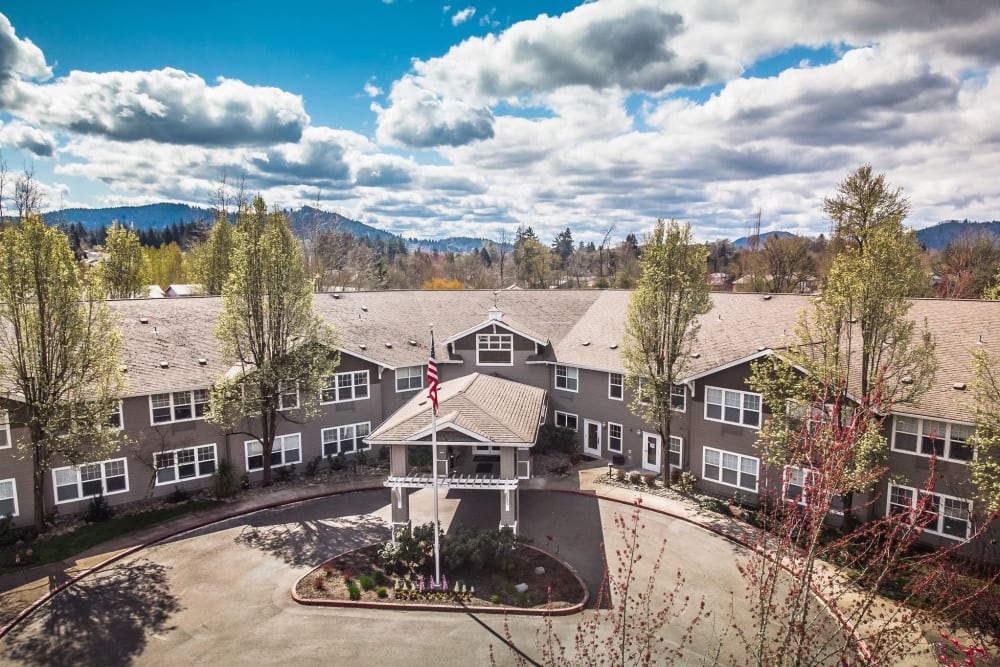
(480, 416)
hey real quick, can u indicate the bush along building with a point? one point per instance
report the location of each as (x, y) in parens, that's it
(510, 364)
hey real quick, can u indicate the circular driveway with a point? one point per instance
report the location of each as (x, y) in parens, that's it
(221, 595)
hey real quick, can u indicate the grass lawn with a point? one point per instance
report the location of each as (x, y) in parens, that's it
(61, 547)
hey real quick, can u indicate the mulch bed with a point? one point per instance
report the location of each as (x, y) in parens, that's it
(557, 588)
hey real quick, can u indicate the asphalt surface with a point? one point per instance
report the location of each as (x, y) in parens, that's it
(220, 595)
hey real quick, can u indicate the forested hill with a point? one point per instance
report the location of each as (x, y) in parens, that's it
(938, 236)
(151, 216)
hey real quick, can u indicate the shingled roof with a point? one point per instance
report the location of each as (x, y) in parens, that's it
(481, 407)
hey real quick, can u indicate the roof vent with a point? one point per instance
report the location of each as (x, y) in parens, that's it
(586, 343)
(388, 346)
(695, 355)
(364, 308)
(958, 386)
(767, 297)
(720, 317)
(123, 369)
(155, 331)
(202, 361)
(335, 295)
(613, 346)
(906, 379)
(164, 364)
(143, 319)
(761, 348)
(363, 346)
(853, 320)
(412, 342)
(980, 341)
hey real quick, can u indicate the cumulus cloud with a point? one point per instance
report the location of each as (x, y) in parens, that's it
(418, 117)
(20, 60)
(371, 90)
(463, 15)
(23, 137)
(168, 106)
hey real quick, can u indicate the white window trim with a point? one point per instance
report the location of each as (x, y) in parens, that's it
(6, 438)
(364, 446)
(275, 448)
(803, 498)
(193, 404)
(13, 490)
(576, 418)
(409, 369)
(620, 385)
(79, 483)
(197, 461)
(739, 469)
(282, 392)
(121, 416)
(683, 394)
(575, 375)
(336, 383)
(940, 516)
(621, 438)
(680, 452)
(501, 339)
(920, 436)
(723, 420)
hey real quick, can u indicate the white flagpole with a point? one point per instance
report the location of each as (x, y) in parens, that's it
(434, 472)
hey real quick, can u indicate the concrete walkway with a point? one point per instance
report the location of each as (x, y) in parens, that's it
(302, 552)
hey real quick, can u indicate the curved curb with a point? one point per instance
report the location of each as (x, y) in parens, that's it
(405, 606)
(849, 627)
(34, 606)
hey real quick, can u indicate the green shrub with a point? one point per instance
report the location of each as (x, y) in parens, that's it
(555, 439)
(523, 599)
(635, 477)
(382, 592)
(284, 473)
(495, 599)
(354, 592)
(716, 505)
(366, 582)
(381, 578)
(99, 509)
(312, 467)
(685, 483)
(224, 481)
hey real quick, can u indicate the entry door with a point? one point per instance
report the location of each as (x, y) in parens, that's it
(591, 438)
(652, 450)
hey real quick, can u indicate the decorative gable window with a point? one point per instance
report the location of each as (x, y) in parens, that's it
(178, 406)
(616, 386)
(924, 437)
(352, 386)
(495, 349)
(91, 479)
(567, 378)
(409, 378)
(732, 407)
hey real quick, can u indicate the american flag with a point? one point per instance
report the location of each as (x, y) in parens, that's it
(432, 378)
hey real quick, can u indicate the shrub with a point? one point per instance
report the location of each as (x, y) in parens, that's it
(99, 509)
(620, 474)
(650, 479)
(635, 477)
(318, 583)
(495, 599)
(312, 467)
(245, 481)
(716, 505)
(523, 599)
(362, 458)
(382, 592)
(685, 483)
(556, 439)
(366, 582)
(336, 463)
(353, 592)
(223, 481)
(381, 578)
(178, 495)
(284, 473)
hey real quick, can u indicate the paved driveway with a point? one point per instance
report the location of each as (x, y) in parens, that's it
(220, 595)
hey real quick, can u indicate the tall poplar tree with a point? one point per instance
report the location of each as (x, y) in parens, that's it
(662, 323)
(59, 353)
(121, 268)
(282, 354)
(215, 256)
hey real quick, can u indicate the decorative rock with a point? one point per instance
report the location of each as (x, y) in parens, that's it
(521, 588)
(539, 570)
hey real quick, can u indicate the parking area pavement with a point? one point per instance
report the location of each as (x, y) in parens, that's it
(221, 594)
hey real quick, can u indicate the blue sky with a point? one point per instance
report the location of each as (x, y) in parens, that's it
(438, 119)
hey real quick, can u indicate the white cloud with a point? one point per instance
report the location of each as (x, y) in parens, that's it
(371, 90)
(23, 137)
(463, 15)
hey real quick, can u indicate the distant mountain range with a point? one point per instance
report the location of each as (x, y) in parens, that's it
(158, 216)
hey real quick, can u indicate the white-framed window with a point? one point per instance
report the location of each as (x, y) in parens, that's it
(799, 483)
(494, 349)
(4, 430)
(567, 420)
(8, 497)
(178, 406)
(732, 407)
(678, 397)
(567, 378)
(345, 439)
(90, 479)
(735, 470)
(286, 451)
(288, 394)
(615, 437)
(117, 418)
(948, 516)
(674, 455)
(616, 386)
(350, 386)
(924, 437)
(180, 464)
(409, 378)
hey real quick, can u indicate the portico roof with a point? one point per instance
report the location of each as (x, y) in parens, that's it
(473, 408)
